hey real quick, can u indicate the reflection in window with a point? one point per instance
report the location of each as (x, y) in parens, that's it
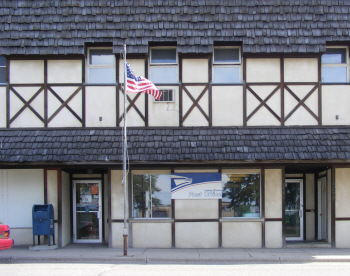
(101, 66)
(163, 65)
(240, 195)
(151, 196)
(334, 65)
(226, 65)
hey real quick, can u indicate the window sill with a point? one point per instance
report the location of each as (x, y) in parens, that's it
(151, 220)
(240, 219)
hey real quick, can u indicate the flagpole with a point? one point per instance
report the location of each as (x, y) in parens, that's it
(125, 231)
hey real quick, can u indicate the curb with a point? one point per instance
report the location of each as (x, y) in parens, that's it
(150, 260)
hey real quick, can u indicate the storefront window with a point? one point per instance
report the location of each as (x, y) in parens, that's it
(240, 195)
(151, 196)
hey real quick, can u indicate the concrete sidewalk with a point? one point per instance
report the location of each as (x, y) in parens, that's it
(83, 253)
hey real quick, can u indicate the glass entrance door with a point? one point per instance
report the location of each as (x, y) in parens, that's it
(294, 209)
(87, 211)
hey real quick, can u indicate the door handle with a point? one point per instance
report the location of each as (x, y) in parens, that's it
(300, 213)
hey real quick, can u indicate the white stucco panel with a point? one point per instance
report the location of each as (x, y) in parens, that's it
(151, 235)
(196, 235)
(21, 189)
(241, 234)
(300, 69)
(26, 71)
(263, 70)
(117, 194)
(64, 71)
(227, 105)
(335, 101)
(196, 209)
(164, 113)
(2, 107)
(52, 190)
(342, 192)
(273, 234)
(342, 237)
(100, 102)
(195, 70)
(273, 193)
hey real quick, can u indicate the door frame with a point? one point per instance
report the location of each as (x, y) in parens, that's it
(301, 210)
(100, 213)
(319, 208)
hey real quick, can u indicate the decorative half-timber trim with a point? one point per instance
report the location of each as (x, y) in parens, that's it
(343, 219)
(196, 103)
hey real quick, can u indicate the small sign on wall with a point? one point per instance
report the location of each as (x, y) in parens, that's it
(196, 186)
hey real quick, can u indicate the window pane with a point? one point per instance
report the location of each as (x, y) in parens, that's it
(334, 56)
(161, 74)
(226, 55)
(151, 196)
(2, 61)
(2, 74)
(241, 195)
(99, 56)
(226, 75)
(334, 74)
(101, 75)
(163, 55)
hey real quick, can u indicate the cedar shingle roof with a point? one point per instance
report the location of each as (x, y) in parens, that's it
(169, 145)
(263, 26)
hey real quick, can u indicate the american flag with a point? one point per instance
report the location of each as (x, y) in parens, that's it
(136, 84)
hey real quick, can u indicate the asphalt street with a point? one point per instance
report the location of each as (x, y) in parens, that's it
(85, 269)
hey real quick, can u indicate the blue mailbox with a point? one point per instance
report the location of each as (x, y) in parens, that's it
(43, 222)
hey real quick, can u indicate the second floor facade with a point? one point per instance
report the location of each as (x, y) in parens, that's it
(223, 88)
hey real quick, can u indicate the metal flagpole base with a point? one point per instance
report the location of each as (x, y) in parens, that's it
(125, 235)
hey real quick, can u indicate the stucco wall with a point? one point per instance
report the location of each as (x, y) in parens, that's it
(273, 234)
(100, 102)
(227, 105)
(21, 189)
(342, 195)
(335, 101)
(151, 235)
(196, 235)
(300, 69)
(117, 201)
(273, 208)
(242, 234)
(195, 70)
(64, 71)
(263, 70)
(26, 71)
